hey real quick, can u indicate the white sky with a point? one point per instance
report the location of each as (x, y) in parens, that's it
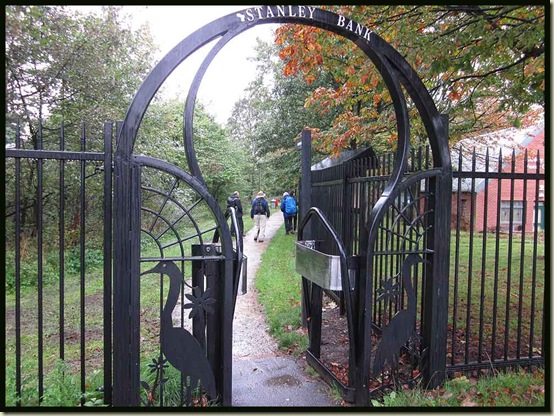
(230, 72)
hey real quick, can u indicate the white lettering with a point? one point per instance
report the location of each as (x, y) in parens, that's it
(259, 10)
(367, 34)
(359, 28)
(349, 26)
(340, 23)
(291, 14)
(284, 11)
(281, 11)
(249, 15)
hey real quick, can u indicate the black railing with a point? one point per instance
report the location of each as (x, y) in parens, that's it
(497, 266)
(58, 212)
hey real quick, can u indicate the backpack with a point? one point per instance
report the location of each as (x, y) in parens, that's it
(259, 207)
(290, 206)
(231, 202)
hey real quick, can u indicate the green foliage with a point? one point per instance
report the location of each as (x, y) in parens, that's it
(93, 259)
(270, 119)
(28, 273)
(70, 66)
(62, 388)
(221, 161)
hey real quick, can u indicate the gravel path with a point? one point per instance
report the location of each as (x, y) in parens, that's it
(262, 376)
(250, 330)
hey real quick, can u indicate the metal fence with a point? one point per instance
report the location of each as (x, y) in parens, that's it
(497, 256)
(58, 225)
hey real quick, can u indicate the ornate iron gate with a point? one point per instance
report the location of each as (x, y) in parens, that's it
(202, 274)
(396, 74)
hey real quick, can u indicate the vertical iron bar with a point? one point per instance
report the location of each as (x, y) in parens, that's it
(457, 258)
(18, 268)
(305, 204)
(62, 244)
(496, 258)
(39, 268)
(470, 258)
(483, 258)
(435, 290)
(108, 134)
(522, 256)
(534, 266)
(82, 262)
(510, 252)
(134, 283)
(122, 277)
(161, 343)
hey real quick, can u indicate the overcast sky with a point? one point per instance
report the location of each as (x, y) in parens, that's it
(230, 71)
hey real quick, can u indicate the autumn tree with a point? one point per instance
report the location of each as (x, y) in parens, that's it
(483, 65)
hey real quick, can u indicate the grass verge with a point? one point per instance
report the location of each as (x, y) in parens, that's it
(279, 288)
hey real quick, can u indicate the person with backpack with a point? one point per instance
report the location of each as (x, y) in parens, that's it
(288, 207)
(295, 216)
(259, 213)
(234, 201)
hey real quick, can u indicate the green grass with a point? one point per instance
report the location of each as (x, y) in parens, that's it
(280, 293)
(504, 389)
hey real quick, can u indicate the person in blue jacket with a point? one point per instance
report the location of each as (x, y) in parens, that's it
(259, 213)
(288, 207)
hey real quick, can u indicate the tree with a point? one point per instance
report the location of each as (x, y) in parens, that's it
(221, 162)
(483, 65)
(61, 65)
(270, 119)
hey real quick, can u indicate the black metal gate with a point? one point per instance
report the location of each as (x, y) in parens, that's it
(430, 226)
(180, 265)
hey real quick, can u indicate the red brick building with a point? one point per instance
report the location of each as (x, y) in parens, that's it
(490, 199)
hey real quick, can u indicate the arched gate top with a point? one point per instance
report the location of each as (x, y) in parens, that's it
(391, 65)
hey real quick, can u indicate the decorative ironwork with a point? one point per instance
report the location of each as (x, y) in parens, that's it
(201, 302)
(388, 291)
(157, 367)
(179, 347)
(402, 326)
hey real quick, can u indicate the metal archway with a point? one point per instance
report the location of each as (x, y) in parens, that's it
(396, 73)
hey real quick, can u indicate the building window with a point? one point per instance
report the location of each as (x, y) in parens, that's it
(514, 206)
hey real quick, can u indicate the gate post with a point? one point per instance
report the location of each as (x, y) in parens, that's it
(305, 204)
(435, 291)
(126, 363)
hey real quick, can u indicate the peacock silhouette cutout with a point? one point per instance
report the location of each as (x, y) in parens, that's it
(402, 324)
(179, 347)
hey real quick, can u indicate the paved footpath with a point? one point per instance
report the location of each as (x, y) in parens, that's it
(261, 376)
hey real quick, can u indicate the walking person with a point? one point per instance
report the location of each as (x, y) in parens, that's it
(288, 207)
(259, 213)
(295, 216)
(234, 201)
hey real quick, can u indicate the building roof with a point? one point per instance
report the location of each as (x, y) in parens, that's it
(503, 142)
